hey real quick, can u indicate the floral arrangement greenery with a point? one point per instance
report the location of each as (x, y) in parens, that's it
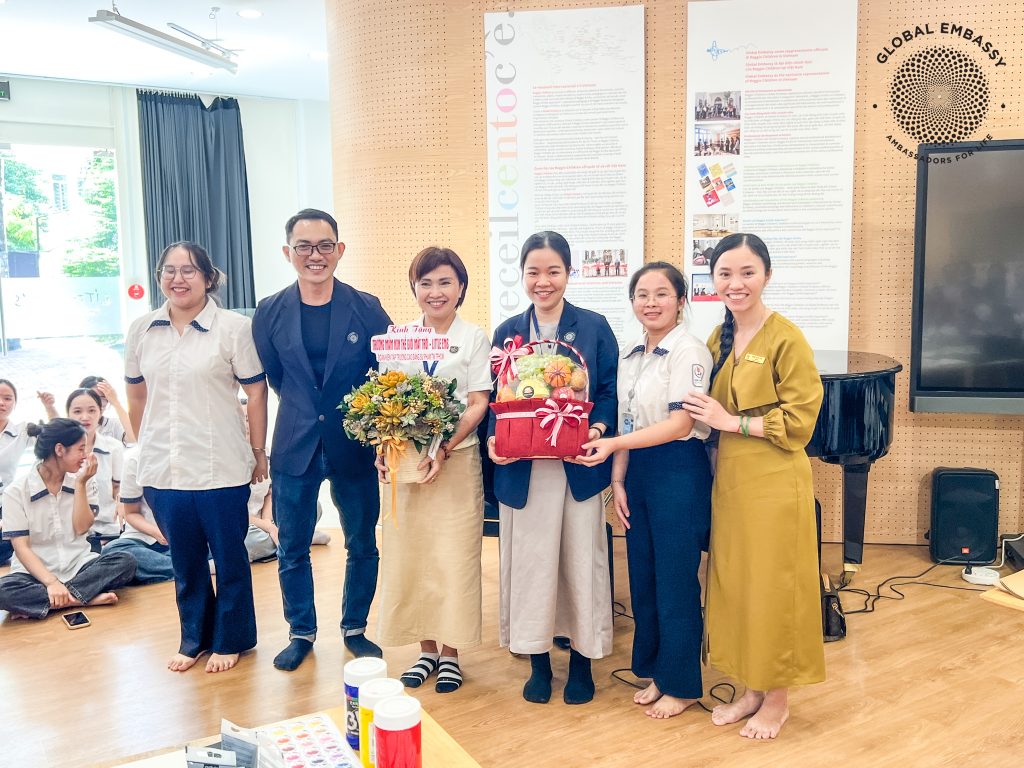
(392, 408)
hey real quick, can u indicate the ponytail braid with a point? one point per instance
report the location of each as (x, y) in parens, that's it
(725, 343)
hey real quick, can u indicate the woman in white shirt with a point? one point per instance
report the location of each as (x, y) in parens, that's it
(47, 514)
(84, 406)
(661, 481)
(430, 559)
(14, 441)
(184, 363)
(118, 425)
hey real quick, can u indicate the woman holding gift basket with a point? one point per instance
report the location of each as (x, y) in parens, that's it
(661, 481)
(433, 550)
(554, 551)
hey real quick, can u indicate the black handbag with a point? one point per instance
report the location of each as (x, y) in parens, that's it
(833, 621)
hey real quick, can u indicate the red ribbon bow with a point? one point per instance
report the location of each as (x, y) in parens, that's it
(556, 416)
(503, 361)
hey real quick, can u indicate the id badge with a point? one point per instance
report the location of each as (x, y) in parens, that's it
(627, 423)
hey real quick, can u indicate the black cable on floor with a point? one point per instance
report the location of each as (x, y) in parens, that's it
(871, 598)
(712, 692)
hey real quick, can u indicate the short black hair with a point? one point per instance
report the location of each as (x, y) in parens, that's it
(10, 384)
(309, 214)
(432, 257)
(90, 381)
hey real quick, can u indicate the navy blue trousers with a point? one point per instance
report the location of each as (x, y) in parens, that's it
(668, 488)
(357, 497)
(196, 523)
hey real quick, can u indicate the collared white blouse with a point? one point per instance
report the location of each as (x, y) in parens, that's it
(31, 510)
(14, 441)
(131, 493)
(109, 459)
(651, 384)
(193, 434)
(468, 361)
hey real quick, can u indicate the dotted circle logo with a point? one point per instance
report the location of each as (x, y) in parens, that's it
(938, 95)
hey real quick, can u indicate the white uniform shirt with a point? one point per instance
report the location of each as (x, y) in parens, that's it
(14, 441)
(131, 493)
(111, 426)
(31, 510)
(468, 361)
(193, 436)
(659, 379)
(109, 464)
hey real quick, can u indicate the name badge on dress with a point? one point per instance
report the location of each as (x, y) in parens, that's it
(627, 423)
(754, 358)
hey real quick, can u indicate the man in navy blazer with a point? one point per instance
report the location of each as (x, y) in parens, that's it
(314, 340)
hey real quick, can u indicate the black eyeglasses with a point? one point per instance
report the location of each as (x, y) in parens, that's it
(187, 272)
(307, 250)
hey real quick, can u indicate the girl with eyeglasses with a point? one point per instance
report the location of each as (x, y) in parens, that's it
(184, 363)
(661, 484)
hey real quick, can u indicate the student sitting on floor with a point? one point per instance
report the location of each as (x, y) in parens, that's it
(47, 514)
(261, 540)
(116, 425)
(85, 407)
(142, 537)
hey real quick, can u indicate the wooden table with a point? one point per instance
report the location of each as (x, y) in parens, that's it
(439, 749)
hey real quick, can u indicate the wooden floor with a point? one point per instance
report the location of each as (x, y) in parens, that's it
(935, 680)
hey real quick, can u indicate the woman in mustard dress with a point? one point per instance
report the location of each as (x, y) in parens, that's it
(763, 609)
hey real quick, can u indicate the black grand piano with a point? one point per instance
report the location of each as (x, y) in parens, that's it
(854, 429)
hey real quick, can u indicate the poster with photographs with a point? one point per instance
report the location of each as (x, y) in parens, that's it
(565, 146)
(770, 151)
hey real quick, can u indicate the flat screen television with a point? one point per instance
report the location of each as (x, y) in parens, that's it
(967, 349)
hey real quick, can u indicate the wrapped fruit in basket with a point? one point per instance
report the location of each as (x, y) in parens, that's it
(542, 408)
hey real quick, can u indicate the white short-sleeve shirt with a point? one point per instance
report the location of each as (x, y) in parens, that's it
(468, 361)
(193, 434)
(14, 441)
(31, 510)
(111, 426)
(651, 384)
(131, 493)
(109, 460)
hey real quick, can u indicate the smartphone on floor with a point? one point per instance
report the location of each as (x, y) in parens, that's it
(75, 620)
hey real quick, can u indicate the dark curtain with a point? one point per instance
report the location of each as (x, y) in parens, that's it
(194, 185)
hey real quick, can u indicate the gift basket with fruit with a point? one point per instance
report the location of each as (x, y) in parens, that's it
(542, 406)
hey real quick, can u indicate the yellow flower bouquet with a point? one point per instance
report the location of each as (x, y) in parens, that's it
(394, 411)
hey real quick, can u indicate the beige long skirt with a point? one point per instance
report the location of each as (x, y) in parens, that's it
(554, 569)
(430, 557)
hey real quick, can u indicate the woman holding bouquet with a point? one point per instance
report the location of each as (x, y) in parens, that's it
(554, 550)
(430, 559)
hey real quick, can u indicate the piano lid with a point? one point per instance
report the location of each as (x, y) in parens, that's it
(836, 364)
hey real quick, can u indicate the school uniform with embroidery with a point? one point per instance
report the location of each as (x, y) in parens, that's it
(195, 464)
(434, 550)
(45, 519)
(668, 489)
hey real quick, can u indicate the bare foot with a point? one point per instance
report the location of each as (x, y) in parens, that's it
(669, 706)
(748, 704)
(648, 695)
(105, 598)
(771, 716)
(180, 662)
(221, 662)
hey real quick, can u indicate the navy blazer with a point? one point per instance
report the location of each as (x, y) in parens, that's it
(590, 333)
(308, 414)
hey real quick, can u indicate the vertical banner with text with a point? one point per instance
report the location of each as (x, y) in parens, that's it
(565, 150)
(770, 124)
